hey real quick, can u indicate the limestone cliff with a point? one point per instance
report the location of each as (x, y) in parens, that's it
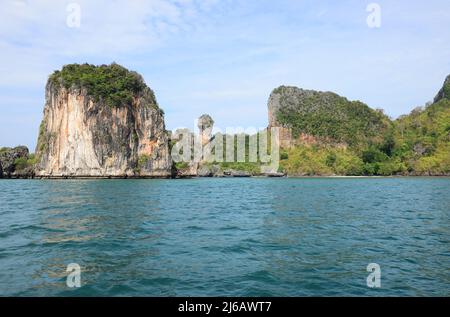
(101, 122)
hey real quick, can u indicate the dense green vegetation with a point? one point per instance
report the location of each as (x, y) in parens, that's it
(330, 116)
(422, 139)
(414, 144)
(23, 163)
(112, 84)
(320, 160)
(181, 165)
(446, 90)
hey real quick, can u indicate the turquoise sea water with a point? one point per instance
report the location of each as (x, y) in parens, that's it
(225, 237)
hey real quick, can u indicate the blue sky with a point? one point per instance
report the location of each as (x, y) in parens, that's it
(225, 57)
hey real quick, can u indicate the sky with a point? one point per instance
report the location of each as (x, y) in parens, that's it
(224, 57)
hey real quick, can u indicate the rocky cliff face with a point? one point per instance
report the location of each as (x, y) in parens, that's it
(444, 93)
(290, 100)
(274, 107)
(15, 162)
(83, 136)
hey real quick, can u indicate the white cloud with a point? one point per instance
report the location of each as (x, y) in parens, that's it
(35, 33)
(35, 40)
(224, 57)
(105, 25)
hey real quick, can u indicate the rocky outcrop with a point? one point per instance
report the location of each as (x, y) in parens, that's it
(202, 167)
(444, 92)
(215, 170)
(205, 122)
(205, 125)
(81, 135)
(209, 171)
(14, 163)
(237, 173)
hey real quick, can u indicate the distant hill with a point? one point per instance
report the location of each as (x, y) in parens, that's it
(330, 135)
(326, 115)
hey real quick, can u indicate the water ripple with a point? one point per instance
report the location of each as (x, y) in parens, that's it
(225, 237)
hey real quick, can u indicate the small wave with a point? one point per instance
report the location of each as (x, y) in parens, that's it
(195, 228)
(226, 228)
(261, 276)
(238, 248)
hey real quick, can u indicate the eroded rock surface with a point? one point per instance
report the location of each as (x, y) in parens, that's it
(82, 136)
(14, 162)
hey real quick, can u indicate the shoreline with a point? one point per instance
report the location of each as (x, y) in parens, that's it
(225, 177)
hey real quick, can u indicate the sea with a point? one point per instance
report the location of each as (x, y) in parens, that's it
(254, 237)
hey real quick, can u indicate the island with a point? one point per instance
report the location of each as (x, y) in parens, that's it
(105, 122)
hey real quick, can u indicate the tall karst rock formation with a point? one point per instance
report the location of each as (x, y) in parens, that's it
(101, 121)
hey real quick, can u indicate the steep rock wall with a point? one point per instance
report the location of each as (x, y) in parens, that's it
(81, 137)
